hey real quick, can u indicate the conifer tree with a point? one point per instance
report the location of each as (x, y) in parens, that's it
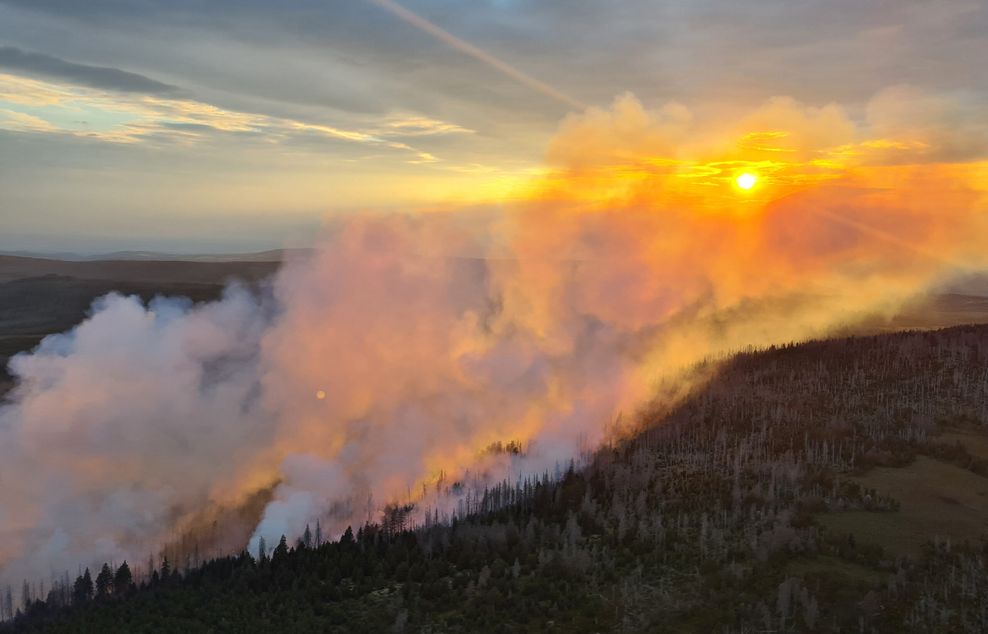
(281, 550)
(82, 591)
(104, 582)
(123, 580)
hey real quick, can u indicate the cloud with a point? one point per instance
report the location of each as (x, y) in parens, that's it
(934, 126)
(356, 55)
(58, 108)
(21, 121)
(99, 77)
(411, 126)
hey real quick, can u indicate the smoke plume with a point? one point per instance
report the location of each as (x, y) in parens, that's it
(385, 366)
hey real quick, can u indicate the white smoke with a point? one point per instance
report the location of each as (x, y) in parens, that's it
(389, 361)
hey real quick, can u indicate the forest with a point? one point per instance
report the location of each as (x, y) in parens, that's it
(744, 508)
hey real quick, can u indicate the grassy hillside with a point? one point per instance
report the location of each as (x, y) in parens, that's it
(934, 498)
(823, 487)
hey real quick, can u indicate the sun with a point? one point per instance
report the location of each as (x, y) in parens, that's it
(746, 181)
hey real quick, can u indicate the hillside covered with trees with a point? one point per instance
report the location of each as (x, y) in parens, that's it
(745, 509)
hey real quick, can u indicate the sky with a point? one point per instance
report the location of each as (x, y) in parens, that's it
(190, 126)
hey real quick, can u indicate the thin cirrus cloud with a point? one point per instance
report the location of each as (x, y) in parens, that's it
(113, 105)
(99, 77)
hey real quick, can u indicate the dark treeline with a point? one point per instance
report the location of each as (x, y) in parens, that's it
(699, 523)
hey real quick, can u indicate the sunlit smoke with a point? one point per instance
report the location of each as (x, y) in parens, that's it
(385, 366)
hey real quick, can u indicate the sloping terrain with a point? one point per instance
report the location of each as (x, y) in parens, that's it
(719, 516)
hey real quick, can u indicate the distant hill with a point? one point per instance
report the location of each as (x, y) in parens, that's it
(137, 270)
(41, 296)
(940, 310)
(272, 255)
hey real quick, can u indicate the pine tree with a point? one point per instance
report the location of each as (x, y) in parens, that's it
(262, 549)
(281, 550)
(104, 582)
(318, 534)
(307, 537)
(123, 580)
(82, 591)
